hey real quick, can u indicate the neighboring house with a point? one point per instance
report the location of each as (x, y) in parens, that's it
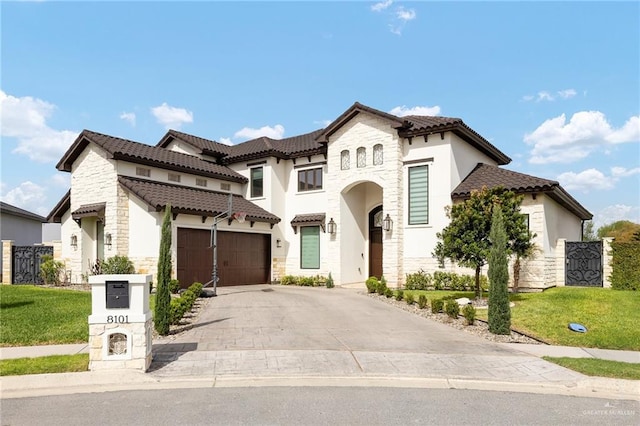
(364, 196)
(20, 226)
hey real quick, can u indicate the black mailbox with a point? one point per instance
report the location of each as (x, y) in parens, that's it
(117, 294)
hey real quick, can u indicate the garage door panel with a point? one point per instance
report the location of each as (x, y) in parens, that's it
(243, 258)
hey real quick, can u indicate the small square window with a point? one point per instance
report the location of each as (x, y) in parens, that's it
(225, 186)
(142, 171)
(201, 182)
(173, 177)
(310, 180)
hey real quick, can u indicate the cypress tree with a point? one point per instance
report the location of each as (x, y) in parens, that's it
(499, 311)
(161, 317)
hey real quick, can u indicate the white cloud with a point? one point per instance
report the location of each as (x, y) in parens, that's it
(585, 180)
(567, 93)
(28, 196)
(62, 180)
(615, 213)
(545, 95)
(405, 14)
(377, 7)
(323, 123)
(129, 117)
(623, 172)
(171, 117)
(559, 141)
(402, 111)
(226, 141)
(25, 118)
(275, 132)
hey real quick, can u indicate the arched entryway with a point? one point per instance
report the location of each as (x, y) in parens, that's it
(375, 242)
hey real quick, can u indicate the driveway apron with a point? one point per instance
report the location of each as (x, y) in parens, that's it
(278, 331)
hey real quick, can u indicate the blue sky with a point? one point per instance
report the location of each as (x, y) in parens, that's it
(556, 86)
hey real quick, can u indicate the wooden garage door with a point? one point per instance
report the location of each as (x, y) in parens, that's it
(242, 258)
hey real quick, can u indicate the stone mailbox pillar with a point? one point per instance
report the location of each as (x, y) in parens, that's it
(120, 324)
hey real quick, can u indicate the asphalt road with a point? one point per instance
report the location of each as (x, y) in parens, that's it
(317, 406)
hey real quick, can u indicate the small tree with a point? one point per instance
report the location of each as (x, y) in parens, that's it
(589, 232)
(466, 239)
(162, 314)
(499, 311)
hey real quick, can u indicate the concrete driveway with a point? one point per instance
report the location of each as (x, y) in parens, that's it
(267, 331)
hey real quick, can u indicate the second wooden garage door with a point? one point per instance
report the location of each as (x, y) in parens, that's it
(242, 258)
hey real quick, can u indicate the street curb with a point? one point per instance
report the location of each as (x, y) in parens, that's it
(123, 380)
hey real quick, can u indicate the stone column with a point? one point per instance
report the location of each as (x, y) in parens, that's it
(607, 259)
(561, 261)
(7, 272)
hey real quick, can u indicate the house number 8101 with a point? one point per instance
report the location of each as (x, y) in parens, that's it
(117, 319)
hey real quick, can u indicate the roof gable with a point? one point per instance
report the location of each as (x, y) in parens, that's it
(206, 146)
(16, 211)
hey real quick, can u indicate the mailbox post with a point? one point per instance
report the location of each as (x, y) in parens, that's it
(120, 324)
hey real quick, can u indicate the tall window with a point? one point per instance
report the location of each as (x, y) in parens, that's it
(310, 180)
(377, 154)
(256, 182)
(345, 160)
(362, 156)
(418, 195)
(310, 247)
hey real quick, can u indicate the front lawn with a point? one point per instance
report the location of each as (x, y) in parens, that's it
(44, 365)
(610, 316)
(31, 315)
(599, 367)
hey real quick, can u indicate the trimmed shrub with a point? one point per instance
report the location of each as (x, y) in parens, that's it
(418, 281)
(409, 298)
(388, 293)
(452, 308)
(437, 305)
(499, 313)
(118, 265)
(306, 281)
(289, 280)
(174, 286)
(50, 270)
(381, 288)
(161, 316)
(625, 274)
(329, 283)
(469, 313)
(399, 295)
(372, 284)
(422, 301)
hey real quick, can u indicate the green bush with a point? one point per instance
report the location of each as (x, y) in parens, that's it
(388, 293)
(399, 295)
(469, 313)
(422, 301)
(437, 305)
(372, 284)
(418, 281)
(381, 288)
(452, 308)
(625, 273)
(118, 265)
(306, 281)
(289, 280)
(174, 286)
(196, 288)
(409, 298)
(329, 283)
(50, 270)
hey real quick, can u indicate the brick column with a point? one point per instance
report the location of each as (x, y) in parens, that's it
(7, 272)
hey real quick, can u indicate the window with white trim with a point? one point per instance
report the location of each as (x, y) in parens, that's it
(377, 154)
(257, 182)
(361, 156)
(310, 247)
(419, 195)
(345, 160)
(310, 179)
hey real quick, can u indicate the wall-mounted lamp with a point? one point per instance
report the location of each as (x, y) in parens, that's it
(107, 240)
(278, 243)
(74, 241)
(387, 223)
(332, 227)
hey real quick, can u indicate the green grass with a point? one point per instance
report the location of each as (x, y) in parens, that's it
(31, 315)
(45, 364)
(599, 367)
(611, 316)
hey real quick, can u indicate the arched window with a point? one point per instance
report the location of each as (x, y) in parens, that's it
(362, 156)
(345, 160)
(377, 154)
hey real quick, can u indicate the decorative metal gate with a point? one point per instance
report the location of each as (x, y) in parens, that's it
(26, 263)
(584, 263)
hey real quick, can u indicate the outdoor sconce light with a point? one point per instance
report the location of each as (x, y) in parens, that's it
(332, 227)
(107, 240)
(278, 243)
(74, 241)
(387, 223)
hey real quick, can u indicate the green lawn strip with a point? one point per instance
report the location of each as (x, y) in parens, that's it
(45, 364)
(31, 315)
(599, 367)
(610, 316)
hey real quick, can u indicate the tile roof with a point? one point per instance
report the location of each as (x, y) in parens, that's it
(308, 219)
(292, 147)
(193, 201)
(89, 210)
(55, 216)
(206, 146)
(16, 211)
(135, 152)
(491, 176)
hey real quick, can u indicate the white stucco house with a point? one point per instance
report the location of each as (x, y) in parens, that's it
(364, 196)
